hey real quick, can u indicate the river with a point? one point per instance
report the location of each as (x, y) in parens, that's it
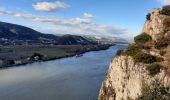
(74, 78)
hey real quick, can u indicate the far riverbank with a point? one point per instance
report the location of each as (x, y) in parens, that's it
(12, 56)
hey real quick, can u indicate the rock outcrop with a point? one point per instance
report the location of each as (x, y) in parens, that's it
(125, 77)
(158, 23)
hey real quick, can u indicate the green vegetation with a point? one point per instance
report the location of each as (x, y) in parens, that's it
(162, 52)
(142, 38)
(132, 50)
(165, 12)
(139, 51)
(159, 59)
(52, 52)
(153, 69)
(155, 91)
(8, 62)
(161, 44)
(23, 54)
(142, 43)
(139, 44)
(37, 56)
(119, 52)
(146, 47)
(148, 16)
(144, 58)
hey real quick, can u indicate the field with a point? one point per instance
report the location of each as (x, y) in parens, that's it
(22, 54)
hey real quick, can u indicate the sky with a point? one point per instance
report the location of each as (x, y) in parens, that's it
(112, 18)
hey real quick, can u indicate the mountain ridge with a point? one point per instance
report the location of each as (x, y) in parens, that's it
(14, 32)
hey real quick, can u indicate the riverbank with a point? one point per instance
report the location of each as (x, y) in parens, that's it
(13, 56)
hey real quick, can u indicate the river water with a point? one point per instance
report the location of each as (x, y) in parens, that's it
(74, 78)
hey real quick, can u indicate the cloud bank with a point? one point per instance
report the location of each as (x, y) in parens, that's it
(77, 25)
(50, 6)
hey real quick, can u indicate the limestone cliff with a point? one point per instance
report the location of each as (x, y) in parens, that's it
(124, 79)
(125, 76)
(158, 23)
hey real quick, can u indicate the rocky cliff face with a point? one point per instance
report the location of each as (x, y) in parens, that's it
(158, 23)
(125, 77)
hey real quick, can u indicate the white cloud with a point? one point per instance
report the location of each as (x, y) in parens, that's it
(165, 1)
(88, 15)
(50, 6)
(80, 20)
(82, 26)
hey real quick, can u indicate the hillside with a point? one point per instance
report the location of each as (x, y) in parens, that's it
(11, 34)
(73, 39)
(141, 72)
(18, 32)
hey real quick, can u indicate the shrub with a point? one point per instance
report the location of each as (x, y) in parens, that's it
(40, 56)
(153, 69)
(154, 91)
(148, 16)
(142, 38)
(159, 59)
(8, 62)
(132, 50)
(161, 44)
(144, 58)
(143, 46)
(162, 53)
(119, 52)
(165, 12)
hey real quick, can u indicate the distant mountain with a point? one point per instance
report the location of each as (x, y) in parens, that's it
(17, 34)
(73, 39)
(105, 40)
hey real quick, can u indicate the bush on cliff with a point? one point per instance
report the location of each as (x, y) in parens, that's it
(154, 91)
(162, 52)
(144, 58)
(142, 38)
(148, 16)
(161, 44)
(153, 69)
(119, 52)
(165, 12)
(143, 46)
(132, 49)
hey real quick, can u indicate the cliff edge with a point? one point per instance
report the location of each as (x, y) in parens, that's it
(142, 71)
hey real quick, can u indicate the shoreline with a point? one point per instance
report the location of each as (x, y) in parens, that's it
(98, 48)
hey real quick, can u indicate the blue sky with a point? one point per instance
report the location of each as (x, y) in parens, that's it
(118, 18)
